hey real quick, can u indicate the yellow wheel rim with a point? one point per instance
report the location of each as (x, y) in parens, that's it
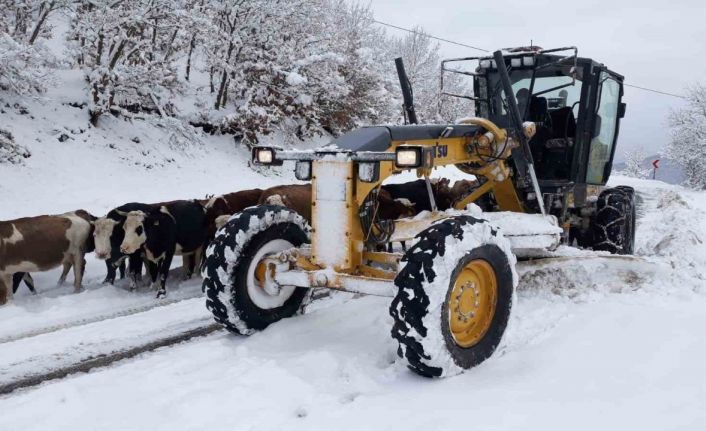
(472, 303)
(261, 273)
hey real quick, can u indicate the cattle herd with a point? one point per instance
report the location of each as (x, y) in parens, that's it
(152, 234)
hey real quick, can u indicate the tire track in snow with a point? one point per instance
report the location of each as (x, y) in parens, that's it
(94, 319)
(104, 360)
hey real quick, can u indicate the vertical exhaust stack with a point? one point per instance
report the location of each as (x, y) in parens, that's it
(409, 114)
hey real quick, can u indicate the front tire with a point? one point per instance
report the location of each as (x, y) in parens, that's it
(456, 288)
(613, 226)
(234, 294)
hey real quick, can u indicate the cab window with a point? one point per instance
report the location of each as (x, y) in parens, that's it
(604, 129)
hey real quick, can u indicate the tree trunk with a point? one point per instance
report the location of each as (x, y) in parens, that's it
(43, 14)
(224, 77)
(154, 41)
(170, 48)
(188, 59)
(116, 55)
(221, 89)
(99, 55)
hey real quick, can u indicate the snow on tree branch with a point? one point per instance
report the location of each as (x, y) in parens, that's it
(688, 130)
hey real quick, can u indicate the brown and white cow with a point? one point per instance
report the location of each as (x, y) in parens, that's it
(41, 243)
(297, 197)
(218, 207)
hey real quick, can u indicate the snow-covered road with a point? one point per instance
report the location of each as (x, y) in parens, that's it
(621, 360)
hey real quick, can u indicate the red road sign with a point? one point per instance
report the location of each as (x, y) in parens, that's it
(655, 164)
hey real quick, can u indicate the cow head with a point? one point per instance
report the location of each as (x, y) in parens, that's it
(442, 194)
(392, 209)
(463, 188)
(216, 207)
(103, 230)
(222, 220)
(134, 228)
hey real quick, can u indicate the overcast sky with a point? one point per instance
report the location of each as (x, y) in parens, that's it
(656, 44)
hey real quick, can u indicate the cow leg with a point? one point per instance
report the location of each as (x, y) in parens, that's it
(29, 281)
(135, 269)
(18, 277)
(139, 260)
(152, 268)
(110, 272)
(404, 246)
(122, 269)
(5, 288)
(198, 257)
(79, 265)
(187, 266)
(164, 273)
(16, 280)
(65, 272)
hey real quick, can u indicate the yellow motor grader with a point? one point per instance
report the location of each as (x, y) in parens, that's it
(541, 148)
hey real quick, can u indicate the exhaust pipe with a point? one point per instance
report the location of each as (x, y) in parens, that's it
(410, 115)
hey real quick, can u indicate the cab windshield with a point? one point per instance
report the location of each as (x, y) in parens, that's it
(553, 89)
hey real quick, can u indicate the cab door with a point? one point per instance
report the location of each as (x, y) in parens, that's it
(608, 109)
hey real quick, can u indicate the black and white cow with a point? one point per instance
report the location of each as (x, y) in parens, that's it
(177, 228)
(109, 236)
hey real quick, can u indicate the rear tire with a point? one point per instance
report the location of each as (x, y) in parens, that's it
(456, 287)
(232, 292)
(613, 226)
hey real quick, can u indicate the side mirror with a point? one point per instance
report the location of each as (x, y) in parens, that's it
(621, 109)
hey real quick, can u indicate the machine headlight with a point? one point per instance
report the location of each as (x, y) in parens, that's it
(408, 157)
(264, 156)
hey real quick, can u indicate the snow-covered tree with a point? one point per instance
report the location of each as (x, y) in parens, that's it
(23, 67)
(11, 152)
(634, 160)
(688, 144)
(127, 50)
(24, 60)
(422, 64)
(26, 21)
(309, 65)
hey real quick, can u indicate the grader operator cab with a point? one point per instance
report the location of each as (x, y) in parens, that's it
(541, 148)
(576, 106)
